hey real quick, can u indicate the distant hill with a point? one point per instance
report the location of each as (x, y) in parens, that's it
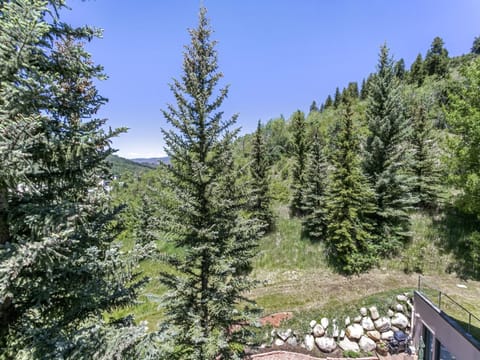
(121, 166)
(152, 162)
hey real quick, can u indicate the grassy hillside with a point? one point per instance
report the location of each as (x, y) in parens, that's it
(121, 166)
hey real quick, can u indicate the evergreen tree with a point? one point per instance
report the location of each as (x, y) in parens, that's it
(349, 241)
(261, 201)
(209, 276)
(417, 71)
(400, 69)
(313, 106)
(328, 102)
(60, 270)
(314, 207)
(365, 87)
(385, 156)
(436, 60)
(299, 152)
(476, 46)
(337, 100)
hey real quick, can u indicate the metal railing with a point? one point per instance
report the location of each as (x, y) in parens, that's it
(465, 318)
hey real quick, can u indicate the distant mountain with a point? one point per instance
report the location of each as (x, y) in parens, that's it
(152, 162)
(121, 166)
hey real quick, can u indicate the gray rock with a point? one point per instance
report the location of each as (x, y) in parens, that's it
(387, 335)
(402, 298)
(278, 342)
(354, 331)
(326, 344)
(342, 334)
(390, 313)
(357, 319)
(318, 330)
(382, 324)
(400, 321)
(313, 323)
(399, 308)
(367, 324)
(374, 313)
(284, 335)
(366, 344)
(363, 311)
(347, 345)
(394, 328)
(292, 340)
(309, 342)
(324, 322)
(374, 335)
(347, 321)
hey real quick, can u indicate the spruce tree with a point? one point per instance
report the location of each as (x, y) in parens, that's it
(261, 200)
(313, 106)
(299, 152)
(385, 160)
(314, 206)
(328, 102)
(436, 60)
(209, 276)
(476, 46)
(349, 241)
(337, 99)
(60, 271)
(424, 160)
(417, 71)
(400, 69)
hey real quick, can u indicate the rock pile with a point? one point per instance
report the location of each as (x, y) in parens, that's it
(368, 332)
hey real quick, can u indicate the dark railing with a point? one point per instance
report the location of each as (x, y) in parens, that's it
(452, 308)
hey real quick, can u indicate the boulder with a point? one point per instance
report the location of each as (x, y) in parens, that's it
(363, 311)
(324, 322)
(292, 340)
(342, 334)
(390, 313)
(367, 323)
(318, 330)
(284, 335)
(399, 308)
(354, 332)
(278, 342)
(374, 335)
(326, 344)
(357, 319)
(374, 313)
(402, 298)
(387, 335)
(400, 321)
(347, 345)
(366, 344)
(313, 323)
(347, 321)
(382, 324)
(309, 342)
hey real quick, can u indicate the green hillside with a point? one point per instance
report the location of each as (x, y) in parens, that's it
(122, 166)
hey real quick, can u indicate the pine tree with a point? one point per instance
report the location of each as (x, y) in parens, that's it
(436, 60)
(417, 71)
(299, 152)
(476, 46)
(261, 201)
(314, 206)
(209, 276)
(60, 270)
(364, 90)
(337, 99)
(328, 102)
(425, 169)
(385, 156)
(313, 106)
(349, 241)
(400, 69)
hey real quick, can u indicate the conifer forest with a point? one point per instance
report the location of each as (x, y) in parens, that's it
(106, 258)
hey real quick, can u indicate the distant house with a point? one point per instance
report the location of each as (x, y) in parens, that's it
(440, 336)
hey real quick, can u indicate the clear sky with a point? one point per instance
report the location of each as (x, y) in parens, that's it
(277, 55)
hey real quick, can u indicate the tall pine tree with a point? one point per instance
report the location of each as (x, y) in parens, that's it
(436, 60)
(209, 277)
(314, 205)
(261, 200)
(60, 271)
(299, 152)
(386, 154)
(349, 241)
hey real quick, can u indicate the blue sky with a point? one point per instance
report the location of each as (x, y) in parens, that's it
(277, 55)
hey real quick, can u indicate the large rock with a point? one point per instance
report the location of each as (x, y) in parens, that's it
(318, 330)
(326, 344)
(284, 335)
(313, 323)
(402, 298)
(292, 341)
(399, 308)
(374, 335)
(278, 342)
(387, 335)
(367, 324)
(347, 321)
(324, 322)
(363, 311)
(366, 344)
(374, 313)
(347, 345)
(390, 313)
(357, 319)
(354, 331)
(309, 342)
(400, 321)
(382, 324)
